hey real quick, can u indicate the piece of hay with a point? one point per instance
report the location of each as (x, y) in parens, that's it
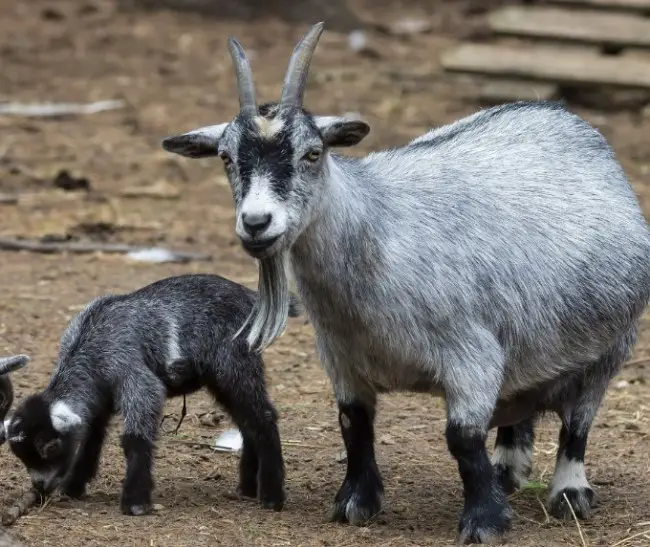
(20, 507)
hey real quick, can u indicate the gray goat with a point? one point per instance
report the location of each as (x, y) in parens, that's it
(8, 365)
(127, 354)
(502, 261)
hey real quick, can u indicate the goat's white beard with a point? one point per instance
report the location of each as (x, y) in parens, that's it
(269, 316)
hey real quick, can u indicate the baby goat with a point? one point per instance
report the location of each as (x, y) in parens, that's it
(502, 261)
(126, 354)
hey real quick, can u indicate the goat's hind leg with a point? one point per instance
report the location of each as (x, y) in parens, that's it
(569, 483)
(261, 467)
(512, 457)
(577, 413)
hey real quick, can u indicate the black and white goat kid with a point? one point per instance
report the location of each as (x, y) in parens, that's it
(127, 354)
(502, 261)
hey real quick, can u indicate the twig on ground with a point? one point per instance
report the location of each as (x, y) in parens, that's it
(575, 518)
(147, 254)
(20, 507)
(633, 536)
(58, 109)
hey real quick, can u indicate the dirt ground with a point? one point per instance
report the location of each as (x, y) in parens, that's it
(171, 67)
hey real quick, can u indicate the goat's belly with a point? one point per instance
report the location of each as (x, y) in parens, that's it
(386, 376)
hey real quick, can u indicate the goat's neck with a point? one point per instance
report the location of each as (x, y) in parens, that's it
(340, 239)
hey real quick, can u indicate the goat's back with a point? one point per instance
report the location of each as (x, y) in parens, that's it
(517, 220)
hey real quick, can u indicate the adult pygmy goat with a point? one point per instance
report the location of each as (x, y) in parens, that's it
(126, 354)
(502, 261)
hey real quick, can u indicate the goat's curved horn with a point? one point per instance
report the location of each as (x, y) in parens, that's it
(244, 77)
(296, 77)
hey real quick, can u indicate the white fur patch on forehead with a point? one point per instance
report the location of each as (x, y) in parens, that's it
(268, 128)
(63, 417)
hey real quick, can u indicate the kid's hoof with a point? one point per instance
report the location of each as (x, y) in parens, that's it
(274, 504)
(247, 491)
(357, 503)
(75, 492)
(137, 510)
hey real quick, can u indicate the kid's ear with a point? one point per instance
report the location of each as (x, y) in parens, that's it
(339, 131)
(200, 143)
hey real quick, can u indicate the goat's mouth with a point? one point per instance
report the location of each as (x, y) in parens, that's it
(262, 248)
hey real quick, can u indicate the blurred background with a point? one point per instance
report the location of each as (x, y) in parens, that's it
(88, 88)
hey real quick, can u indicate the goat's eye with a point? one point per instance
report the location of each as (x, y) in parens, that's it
(225, 157)
(313, 155)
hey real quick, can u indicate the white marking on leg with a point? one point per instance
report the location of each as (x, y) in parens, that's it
(568, 474)
(517, 459)
(63, 417)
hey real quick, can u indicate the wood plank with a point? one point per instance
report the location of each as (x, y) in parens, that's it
(501, 91)
(547, 65)
(590, 27)
(641, 6)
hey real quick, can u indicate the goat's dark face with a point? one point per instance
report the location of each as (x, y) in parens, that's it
(275, 157)
(42, 437)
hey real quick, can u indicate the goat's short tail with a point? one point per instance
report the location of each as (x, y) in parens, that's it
(295, 308)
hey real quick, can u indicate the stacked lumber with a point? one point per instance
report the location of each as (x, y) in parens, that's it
(561, 46)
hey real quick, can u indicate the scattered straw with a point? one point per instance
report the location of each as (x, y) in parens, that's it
(575, 518)
(628, 538)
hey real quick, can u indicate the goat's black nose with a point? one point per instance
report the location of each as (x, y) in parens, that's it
(256, 222)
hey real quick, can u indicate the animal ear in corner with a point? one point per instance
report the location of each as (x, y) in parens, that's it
(48, 449)
(10, 364)
(200, 143)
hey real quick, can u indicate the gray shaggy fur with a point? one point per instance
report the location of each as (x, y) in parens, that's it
(127, 354)
(502, 261)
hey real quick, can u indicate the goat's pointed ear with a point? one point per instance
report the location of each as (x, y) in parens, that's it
(200, 143)
(9, 364)
(341, 131)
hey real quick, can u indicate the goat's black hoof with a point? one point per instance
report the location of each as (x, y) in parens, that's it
(357, 502)
(485, 522)
(247, 490)
(75, 491)
(137, 510)
(274, 502)
(582, 500)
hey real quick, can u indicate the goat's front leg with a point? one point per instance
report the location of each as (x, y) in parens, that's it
(142, 407)
(471, 391)
(87, 463)
(359, 498)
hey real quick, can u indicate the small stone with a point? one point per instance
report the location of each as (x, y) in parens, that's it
(158, 507)
(622, 384)
(386, 439)
(342, 456)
